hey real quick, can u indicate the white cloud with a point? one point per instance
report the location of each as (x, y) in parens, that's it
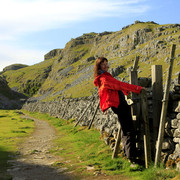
(19, 17)
(17, 55)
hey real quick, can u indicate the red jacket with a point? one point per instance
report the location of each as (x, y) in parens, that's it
(108, 90)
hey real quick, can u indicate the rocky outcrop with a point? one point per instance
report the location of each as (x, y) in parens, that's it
(53, 54)
(72, 66)
(147, 39)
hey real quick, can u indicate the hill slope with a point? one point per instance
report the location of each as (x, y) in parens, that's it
(29, 79)
(71, 73)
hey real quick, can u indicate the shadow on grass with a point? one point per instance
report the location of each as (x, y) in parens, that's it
(10, 168)
(4, 156)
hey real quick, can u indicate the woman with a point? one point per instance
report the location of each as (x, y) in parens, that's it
(111, 94)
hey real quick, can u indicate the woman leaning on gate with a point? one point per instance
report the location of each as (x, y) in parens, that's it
(111, 94)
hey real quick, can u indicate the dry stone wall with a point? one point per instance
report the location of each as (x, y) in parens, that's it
(107, 123)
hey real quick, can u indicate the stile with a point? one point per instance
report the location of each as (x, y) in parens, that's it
(164, 109)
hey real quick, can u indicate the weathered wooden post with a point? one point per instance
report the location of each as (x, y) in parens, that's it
(86, 109)
(147, 145)
(91, 121)
(135, 108)
(82, 115)
(65, 107)
(157, 93)
(164, 109)
(134, 80)
(133, 73)
(115, 152)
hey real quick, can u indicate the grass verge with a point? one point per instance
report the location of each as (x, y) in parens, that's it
(86, 154)
(13, 129)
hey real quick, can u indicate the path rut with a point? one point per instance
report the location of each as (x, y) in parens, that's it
(34, 161)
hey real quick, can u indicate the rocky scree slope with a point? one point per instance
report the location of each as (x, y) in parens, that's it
(70, 70)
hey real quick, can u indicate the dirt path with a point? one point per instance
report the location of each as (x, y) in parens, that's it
(35, 161)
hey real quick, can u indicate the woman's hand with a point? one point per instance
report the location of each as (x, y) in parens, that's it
(144, 88)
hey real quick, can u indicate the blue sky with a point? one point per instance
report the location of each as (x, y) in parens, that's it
(31, 28)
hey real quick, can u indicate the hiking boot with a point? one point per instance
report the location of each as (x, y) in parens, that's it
(133, 162)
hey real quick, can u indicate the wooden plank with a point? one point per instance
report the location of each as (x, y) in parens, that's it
(135, 107)
(115, 152)
(147, 145)
(135, 66)
(164, 108)
(134, 80)
(94, 98)
(157, 94)
(82, 115)
(66, 107)
(91, 121)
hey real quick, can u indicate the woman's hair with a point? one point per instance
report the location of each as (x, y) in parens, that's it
(97, 67)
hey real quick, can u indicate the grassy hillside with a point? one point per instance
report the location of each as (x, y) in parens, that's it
(150, 41)
(29, 79)
(72, 67)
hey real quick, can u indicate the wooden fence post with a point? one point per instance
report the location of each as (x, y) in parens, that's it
(91, 121)
(164, 108)
(65, 107)
(82, 115)
(86, 109)
(115, 152)
(157, 93)
(147, 145)
(135, 108)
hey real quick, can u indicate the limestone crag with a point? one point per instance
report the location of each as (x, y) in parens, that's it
(72, 66)
(148, 40)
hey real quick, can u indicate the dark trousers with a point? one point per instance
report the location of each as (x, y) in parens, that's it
(127, 130)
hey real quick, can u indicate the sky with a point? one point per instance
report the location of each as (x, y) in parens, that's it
(31, 28)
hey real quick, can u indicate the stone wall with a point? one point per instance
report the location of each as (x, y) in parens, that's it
(172, 131)
(107, 123)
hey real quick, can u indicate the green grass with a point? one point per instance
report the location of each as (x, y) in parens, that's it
(81, 147)
(29, 79)
(13, 129)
